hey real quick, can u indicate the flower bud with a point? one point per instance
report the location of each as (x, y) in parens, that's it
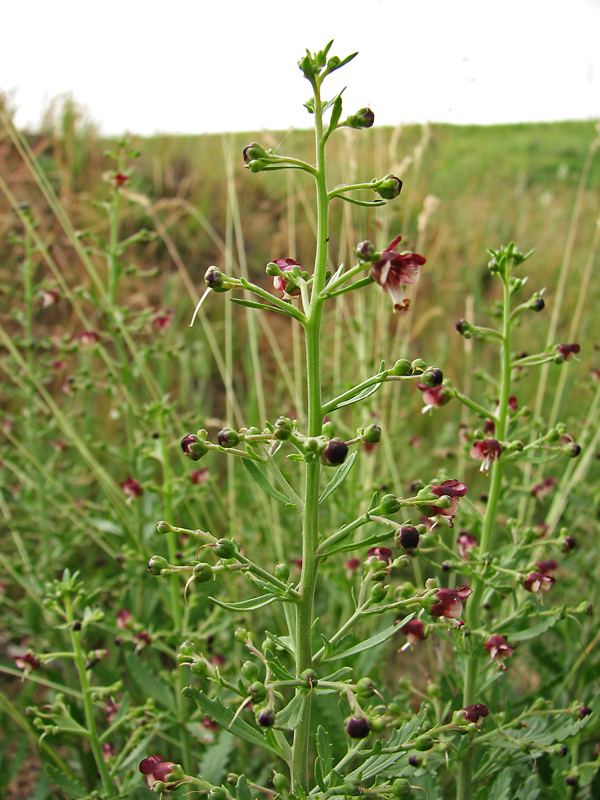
(537, 303)
(216, 280)
(408, 537)
(364, 118)
(389, 504)
(203, 572)
(358, 727)
(463, 326)
(280, 783)
(419, 365)
(334, 453)
(389, 188)
(281, 571)
(163, 527)
(157, 564)
(365, 687)
(379, 592)
(401, 368)
(193, 447)
(240, 635)
(225, 548)
(423, 743)
(372, 434)
(265, 717)
(228, 437)
(199, 668)
(401, 787)
(217, 793)
(432, 377)
(573, 450)
(283, 429)
(365, 251)
(257, 691)
(567, 544)
(328, 429)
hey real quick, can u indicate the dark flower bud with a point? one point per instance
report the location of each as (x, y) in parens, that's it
(568, 544)
(560, 750)
(334, 453)
(257, 691)
(463, 327)
(571, 780)
(372, 434)
(228, 437)
(573, 450)
(408, 537)
(364, 118)
(446, 566)
(584, 711)
(415, 761)
(283, 429)
(365, 251)
(253, 152)
(76, 625)
(156, 564)
(389, 504)
(475, 711)
(401, 368)
(215, 280)
(265, 717)
(358, 727)
(537, 303)
(389, 188)
(193, 447)
(432, 377)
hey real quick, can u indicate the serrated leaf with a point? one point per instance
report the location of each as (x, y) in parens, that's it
(501, 788)
(378, 764)
(291, 716)
(259, 478)
(247, 605)
(157, 688)
(72, 788)
(324, 750)
(277, 668)
(340, 476)
(282, 641)
(225, 717)
(242, 790)
(213, 764)
(372, 641)
(295, 457)
(536, 630)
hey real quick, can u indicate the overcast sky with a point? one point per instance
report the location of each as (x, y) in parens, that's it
(195, 66)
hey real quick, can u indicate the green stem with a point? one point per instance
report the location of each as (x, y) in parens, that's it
(465, 770)
(310, 517)
(88, 706)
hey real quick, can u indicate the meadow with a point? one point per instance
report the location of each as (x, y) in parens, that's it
(104, 246)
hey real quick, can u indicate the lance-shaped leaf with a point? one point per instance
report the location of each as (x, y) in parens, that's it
(259, 478)
(155, 687)
(248, 605)
(535, 630)
(225, 717)
(324, 761)
(368, 644)
(340, 476)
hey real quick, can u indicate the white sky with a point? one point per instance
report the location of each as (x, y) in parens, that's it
(195, 66)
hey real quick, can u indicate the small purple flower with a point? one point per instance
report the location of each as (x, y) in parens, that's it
(394, 270)
(156, 769)
(434, 396)
(50, 297)
(334, 453)
(132, 489)
(199, 476)
(450, 602)
(538, 582)
(408, 538)
(454, 490)
(358, 727)
(474, 712)
(567, 350)
(547, 567)
(487, 450)
(466, 542)
(280, 283)
(499, 649)
(382, 554)
(568, 544)
(193, 447)
(27, 663)
(544, 488)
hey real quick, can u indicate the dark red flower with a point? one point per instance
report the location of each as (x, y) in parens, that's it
(547, 567)
(132, 489)
(393, 270)
(87, 338)
(434, 396)
(27, 663)
(334, 453)
(142, 639)
(382, 553)
(540, 490)
(408, 538)
(352, 565)
(108, 750)
(123, 618)
(475, 711)
(50, 297)
(199, 476)
(414, 631)
(280, 283)
(499, 649)
(466, 542)
(155, 769)
(487, 450)
(162, 318)
(454, 490)
(119, 180)
(111, 709)
(450, 602)
(568, 350)
(358, 727)
(538, 582)
(489, 427)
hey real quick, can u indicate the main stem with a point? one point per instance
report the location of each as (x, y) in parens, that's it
(310, 521)
(465, 770)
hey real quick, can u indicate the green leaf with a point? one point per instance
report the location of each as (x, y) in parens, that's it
(247, 605)
(291, 716)
(263, 306)
(156, 687)
(225, 717)
(213, 764)
(296, 457)
(339, 675)
(73, 789)
(360, 396)
(242, 790)
(501, 788)
(277, 668)
(324, 761)
(284, 642)
(259, 478)
(340, 476)
(378, 764)
(355, 202)
(372, 641)
(536, 630)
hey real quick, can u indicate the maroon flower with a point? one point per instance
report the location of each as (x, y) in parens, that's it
(499, 649)
(280, 283)
(27, 663)
(408, 538)
(334, 453)
(210, 724)
(414, 631)
(119, 180)
(487, 450)
(50, 297)
(567, 350)
(108, 750)
(394, 270)
(547, 567)
(352, 565)
(87, 338)
(58, 365)
(475, 711)
(489, 427)
(132, 489)
(155, 769)
(434, 396)
(162, 318)
(199, 476)
(454, 490)
(538, 582)
(512, 403)
(540, 490)
(111, 709)
(123, 618)
(466, 542)
(358, 727)
(382, 553)
(193, 447)
(450, 603)
(142, 639)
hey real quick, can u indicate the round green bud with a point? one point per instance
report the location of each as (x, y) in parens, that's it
(372, 434)
(378, 724)
(350, 789)
(240, 635)
(539, 704)
(378, 593)
(163, 527)
(257, 691)
(419, 364)
(328, 430)
(217, 793)
(281, 571)
(199, 668)
(365, 687)
(401, 368)
(203, 572)
(228, 437)
(225, 548)
(309, 676)
(156, 564)
(389, 504)
(423, 743)
(187, 648)
(280, 783)
(401, 787)
(249, 670)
